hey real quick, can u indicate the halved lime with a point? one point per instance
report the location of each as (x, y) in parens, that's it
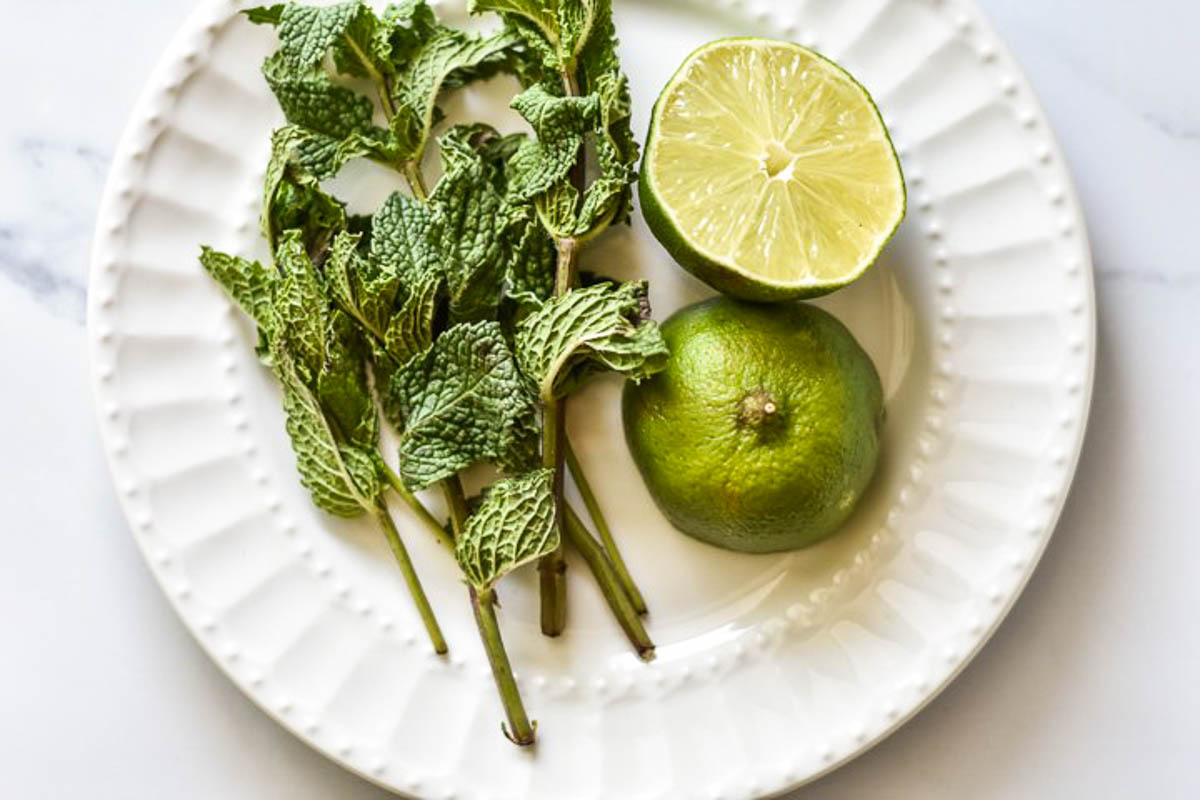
(768, 172)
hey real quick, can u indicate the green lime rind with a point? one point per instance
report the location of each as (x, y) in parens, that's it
(730, 278)
(728, 470)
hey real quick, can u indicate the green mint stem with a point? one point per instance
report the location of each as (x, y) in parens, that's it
(552, 577)
(520, 730)
(606, 537)
(413, 502)
(411, 168)
(552, 569)
(416, 182)
(414, 583)
(610, 585)
(456, 501)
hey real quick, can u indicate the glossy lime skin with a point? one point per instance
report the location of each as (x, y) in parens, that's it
(721, 469)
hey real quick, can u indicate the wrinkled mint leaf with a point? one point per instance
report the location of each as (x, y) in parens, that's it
(342, 385)
(312, 101)
(459, 403)
(529, 273)
(603, 327)
(449, 58)
(293, 198)
(265, 15)
(411, 328)
(300, 307)
(409, 23)
(468, 232)
(560, 124)
(361, 290)
(360, 44)
(307, 32)
(342, 479)
(555, 30)
(400, 238)
(249, 283)
(513, 526)
(364, 48)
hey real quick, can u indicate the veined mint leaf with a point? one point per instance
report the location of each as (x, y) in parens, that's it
(469, 225)
(249, 283)
(458, 402)
(560, 124)
(400, 238)
(265, 15)
(360, 44)
(542, 13)
(602, 327)
(364, 48)
(292, 196)
(513, 526)
(410, 23)
(312, 101)
(342, 479)
(529, 274)
(576, 18)
(616, 154)
(283, 146)
(307, 32)
(342, 385)
(300, 307)
(598, 53)
(411, 328)
(449, 58)
(562, 26)
(366, 293)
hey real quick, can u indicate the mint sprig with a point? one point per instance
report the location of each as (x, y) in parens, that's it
(455, 311)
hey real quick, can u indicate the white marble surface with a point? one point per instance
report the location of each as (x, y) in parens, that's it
(1090, 688)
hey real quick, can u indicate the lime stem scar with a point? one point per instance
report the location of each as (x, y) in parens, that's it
(758, 408)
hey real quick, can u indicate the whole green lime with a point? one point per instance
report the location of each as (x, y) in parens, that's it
(763, 431)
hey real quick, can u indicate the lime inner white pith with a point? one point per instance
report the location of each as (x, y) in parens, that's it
(772, 160)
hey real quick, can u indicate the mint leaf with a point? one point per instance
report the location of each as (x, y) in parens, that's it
(447, 59)
(265, 15)
(360, 44)
(312, 101)
(366, 293)
(409, 23)
(598, 52)
(342, 479)
(283, 147)
(602, 327)
(460, 402)
(616, 152)
(307, 32)
(300, 307)
(342, 385)
(513, 526)
(292, 195)
(411, 328)
(470, 222)
(556, 30)
(529, 273)
(364, 49)
(400, 238)
(560, 124)
(249, 283)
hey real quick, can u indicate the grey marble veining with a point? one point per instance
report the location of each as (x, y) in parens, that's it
(44, 248)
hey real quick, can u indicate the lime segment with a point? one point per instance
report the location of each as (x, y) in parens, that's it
(769, 171)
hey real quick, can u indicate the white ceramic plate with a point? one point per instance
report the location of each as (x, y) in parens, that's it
(771, 670)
